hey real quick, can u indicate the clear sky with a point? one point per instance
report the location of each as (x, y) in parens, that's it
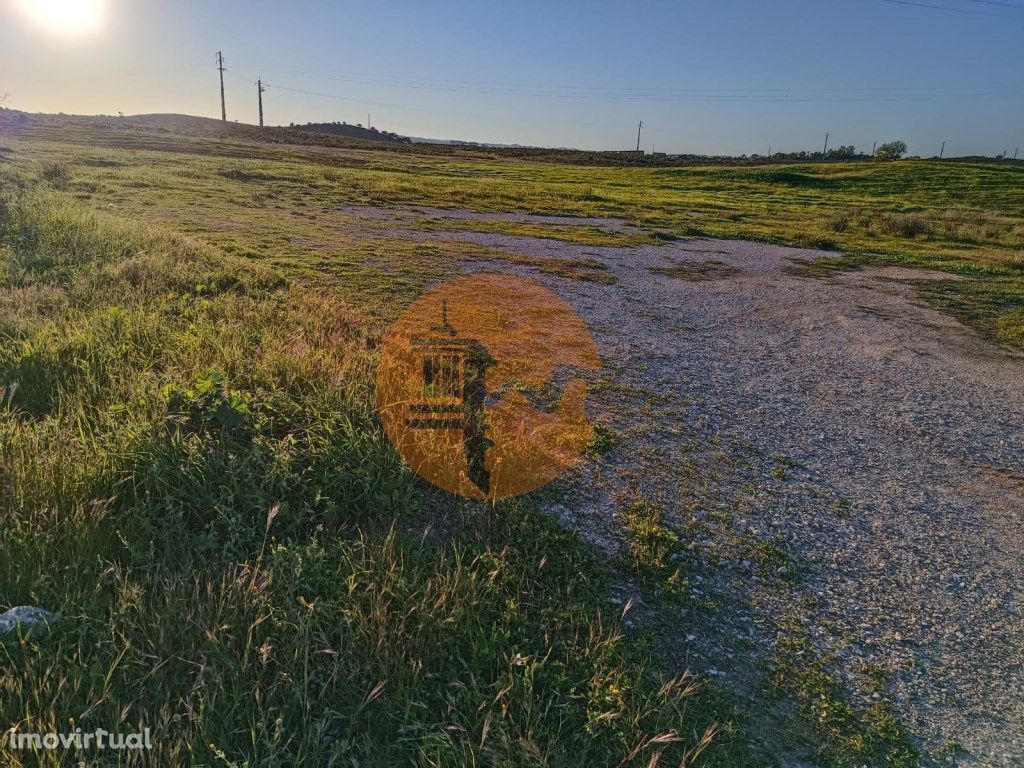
(730, 76)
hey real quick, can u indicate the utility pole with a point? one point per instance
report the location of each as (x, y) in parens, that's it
(261, 89)
(1015, 153)
(826, 147)
(638, 136)
(769, 151)
(873, 145)
(942, 151)
(223, 106)
(367, 121)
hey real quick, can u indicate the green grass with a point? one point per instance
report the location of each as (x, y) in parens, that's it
(276, 203)
(849, 734)
(653, 549)
(193, 476)
(696, 271)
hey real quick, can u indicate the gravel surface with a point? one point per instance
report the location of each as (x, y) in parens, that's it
(875, 442)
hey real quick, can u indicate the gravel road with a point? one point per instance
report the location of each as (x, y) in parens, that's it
(876, 442)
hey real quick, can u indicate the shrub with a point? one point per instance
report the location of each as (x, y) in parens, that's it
(56, 173)
(840, 222)
(904, 224)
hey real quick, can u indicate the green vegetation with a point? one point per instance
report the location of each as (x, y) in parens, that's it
(280, 204)
(891, 150)
(694, 271)
(603, 440)
(653, 548)
(850, 735)
(191, 471)
(192, 475)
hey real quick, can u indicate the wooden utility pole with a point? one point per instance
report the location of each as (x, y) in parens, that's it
(638, 136)
(942, 150)
(223, 105)
(261, 89)
(826, 147)
(873, 145)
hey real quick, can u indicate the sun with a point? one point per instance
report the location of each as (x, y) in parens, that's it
(65, 17)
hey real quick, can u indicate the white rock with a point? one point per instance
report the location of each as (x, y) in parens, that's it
(25, 616)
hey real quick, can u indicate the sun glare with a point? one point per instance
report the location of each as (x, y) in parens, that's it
(65, 17)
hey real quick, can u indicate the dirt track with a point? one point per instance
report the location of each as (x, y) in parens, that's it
(876, 443)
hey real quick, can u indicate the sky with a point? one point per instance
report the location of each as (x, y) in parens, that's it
(722, 77)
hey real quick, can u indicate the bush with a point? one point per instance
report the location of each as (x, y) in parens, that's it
(904, 224)
(56, 173)
(840, 222)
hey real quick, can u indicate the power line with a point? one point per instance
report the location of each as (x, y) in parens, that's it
(996, 2)
(475, 116)
(358, 100)
(594, 93)
(767, 96)
(951, 9)
(428, 82)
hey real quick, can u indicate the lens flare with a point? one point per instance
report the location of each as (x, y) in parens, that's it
(65, 17)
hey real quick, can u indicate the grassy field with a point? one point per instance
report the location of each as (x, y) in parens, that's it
(964, 218)
(193, 475)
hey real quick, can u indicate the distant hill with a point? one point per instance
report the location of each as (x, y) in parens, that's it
(173, 120)
(351, 131)
(150, 131)
(160, 124)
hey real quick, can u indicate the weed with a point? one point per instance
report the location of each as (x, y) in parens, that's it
(850, 735)
(602, 441)
(654, 549)
(207, 406)
(697, 271)
(773, 557)
(56, 172)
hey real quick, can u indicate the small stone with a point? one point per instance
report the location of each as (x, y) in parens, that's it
(25, 616)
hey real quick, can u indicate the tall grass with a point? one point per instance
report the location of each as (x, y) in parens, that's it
(192, 475)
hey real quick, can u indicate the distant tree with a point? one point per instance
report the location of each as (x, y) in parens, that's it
(842, 152)
(892, 150)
